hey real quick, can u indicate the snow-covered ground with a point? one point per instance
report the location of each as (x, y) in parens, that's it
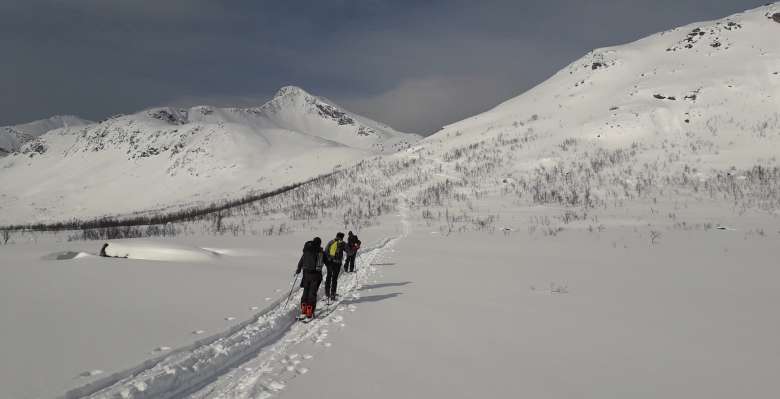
(612, 312)
(66, 319)
(71, 318)
(478, 315)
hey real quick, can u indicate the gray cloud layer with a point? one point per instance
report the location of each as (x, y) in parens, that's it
(415, 65)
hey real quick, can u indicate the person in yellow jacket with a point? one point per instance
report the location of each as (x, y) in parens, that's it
(334, 256)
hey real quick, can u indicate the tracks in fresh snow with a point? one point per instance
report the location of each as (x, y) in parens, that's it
(210, 367)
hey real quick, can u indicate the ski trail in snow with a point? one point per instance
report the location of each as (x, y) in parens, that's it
(275, 366)
(238, 363)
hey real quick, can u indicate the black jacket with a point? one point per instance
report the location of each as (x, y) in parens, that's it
(311, 259)
(353, 244)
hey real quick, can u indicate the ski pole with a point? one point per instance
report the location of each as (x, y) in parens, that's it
(291, 291)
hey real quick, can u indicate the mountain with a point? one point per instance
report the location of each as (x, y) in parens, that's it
(167, 157)
(12, 138)
(294, 109)
(685, 105)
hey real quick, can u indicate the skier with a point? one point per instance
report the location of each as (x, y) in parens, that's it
(353, 245)
(311, 265)
(334, 255)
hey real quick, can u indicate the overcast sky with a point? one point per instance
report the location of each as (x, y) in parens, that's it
(415, 65)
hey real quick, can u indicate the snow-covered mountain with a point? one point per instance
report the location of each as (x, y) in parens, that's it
(13, 138)
(164, 156)
(296, 110)
(685, 104)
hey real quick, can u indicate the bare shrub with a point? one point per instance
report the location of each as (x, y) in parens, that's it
(654, 237)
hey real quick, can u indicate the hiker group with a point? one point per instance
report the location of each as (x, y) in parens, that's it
(314, 258)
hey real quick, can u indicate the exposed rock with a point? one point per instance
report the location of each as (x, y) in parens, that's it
(333, 113)
(33, 147)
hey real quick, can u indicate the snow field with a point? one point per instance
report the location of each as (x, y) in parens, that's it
(253, 345)
(486, 315)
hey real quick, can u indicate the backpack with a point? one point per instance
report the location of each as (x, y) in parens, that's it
(332, 251)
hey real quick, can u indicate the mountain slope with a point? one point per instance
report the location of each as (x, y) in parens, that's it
(684, 105)
(12, 138)
(294, 109)
(166, 157)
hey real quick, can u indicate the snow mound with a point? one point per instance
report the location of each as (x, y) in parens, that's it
(158, 251)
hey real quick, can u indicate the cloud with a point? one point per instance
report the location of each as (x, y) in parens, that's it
(424, 105)
(415, 65)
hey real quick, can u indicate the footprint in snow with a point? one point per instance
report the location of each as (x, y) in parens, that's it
(276, 386)
(91, 373)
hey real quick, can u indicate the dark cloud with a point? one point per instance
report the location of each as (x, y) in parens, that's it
(415, 65)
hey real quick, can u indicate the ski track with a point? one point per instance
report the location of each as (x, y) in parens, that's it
(239, 363)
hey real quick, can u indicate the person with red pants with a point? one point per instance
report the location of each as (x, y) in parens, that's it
(310, 264)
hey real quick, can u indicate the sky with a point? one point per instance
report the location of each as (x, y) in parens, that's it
(415, 65)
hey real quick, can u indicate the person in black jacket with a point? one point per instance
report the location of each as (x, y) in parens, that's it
(334, 256)
(353, 245)
(103, 250)
(310, 264)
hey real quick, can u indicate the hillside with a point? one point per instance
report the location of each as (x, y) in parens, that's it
(13, 138)
(165, 157)
(697, 106)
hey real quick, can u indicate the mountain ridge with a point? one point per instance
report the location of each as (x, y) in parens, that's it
(180, 156)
